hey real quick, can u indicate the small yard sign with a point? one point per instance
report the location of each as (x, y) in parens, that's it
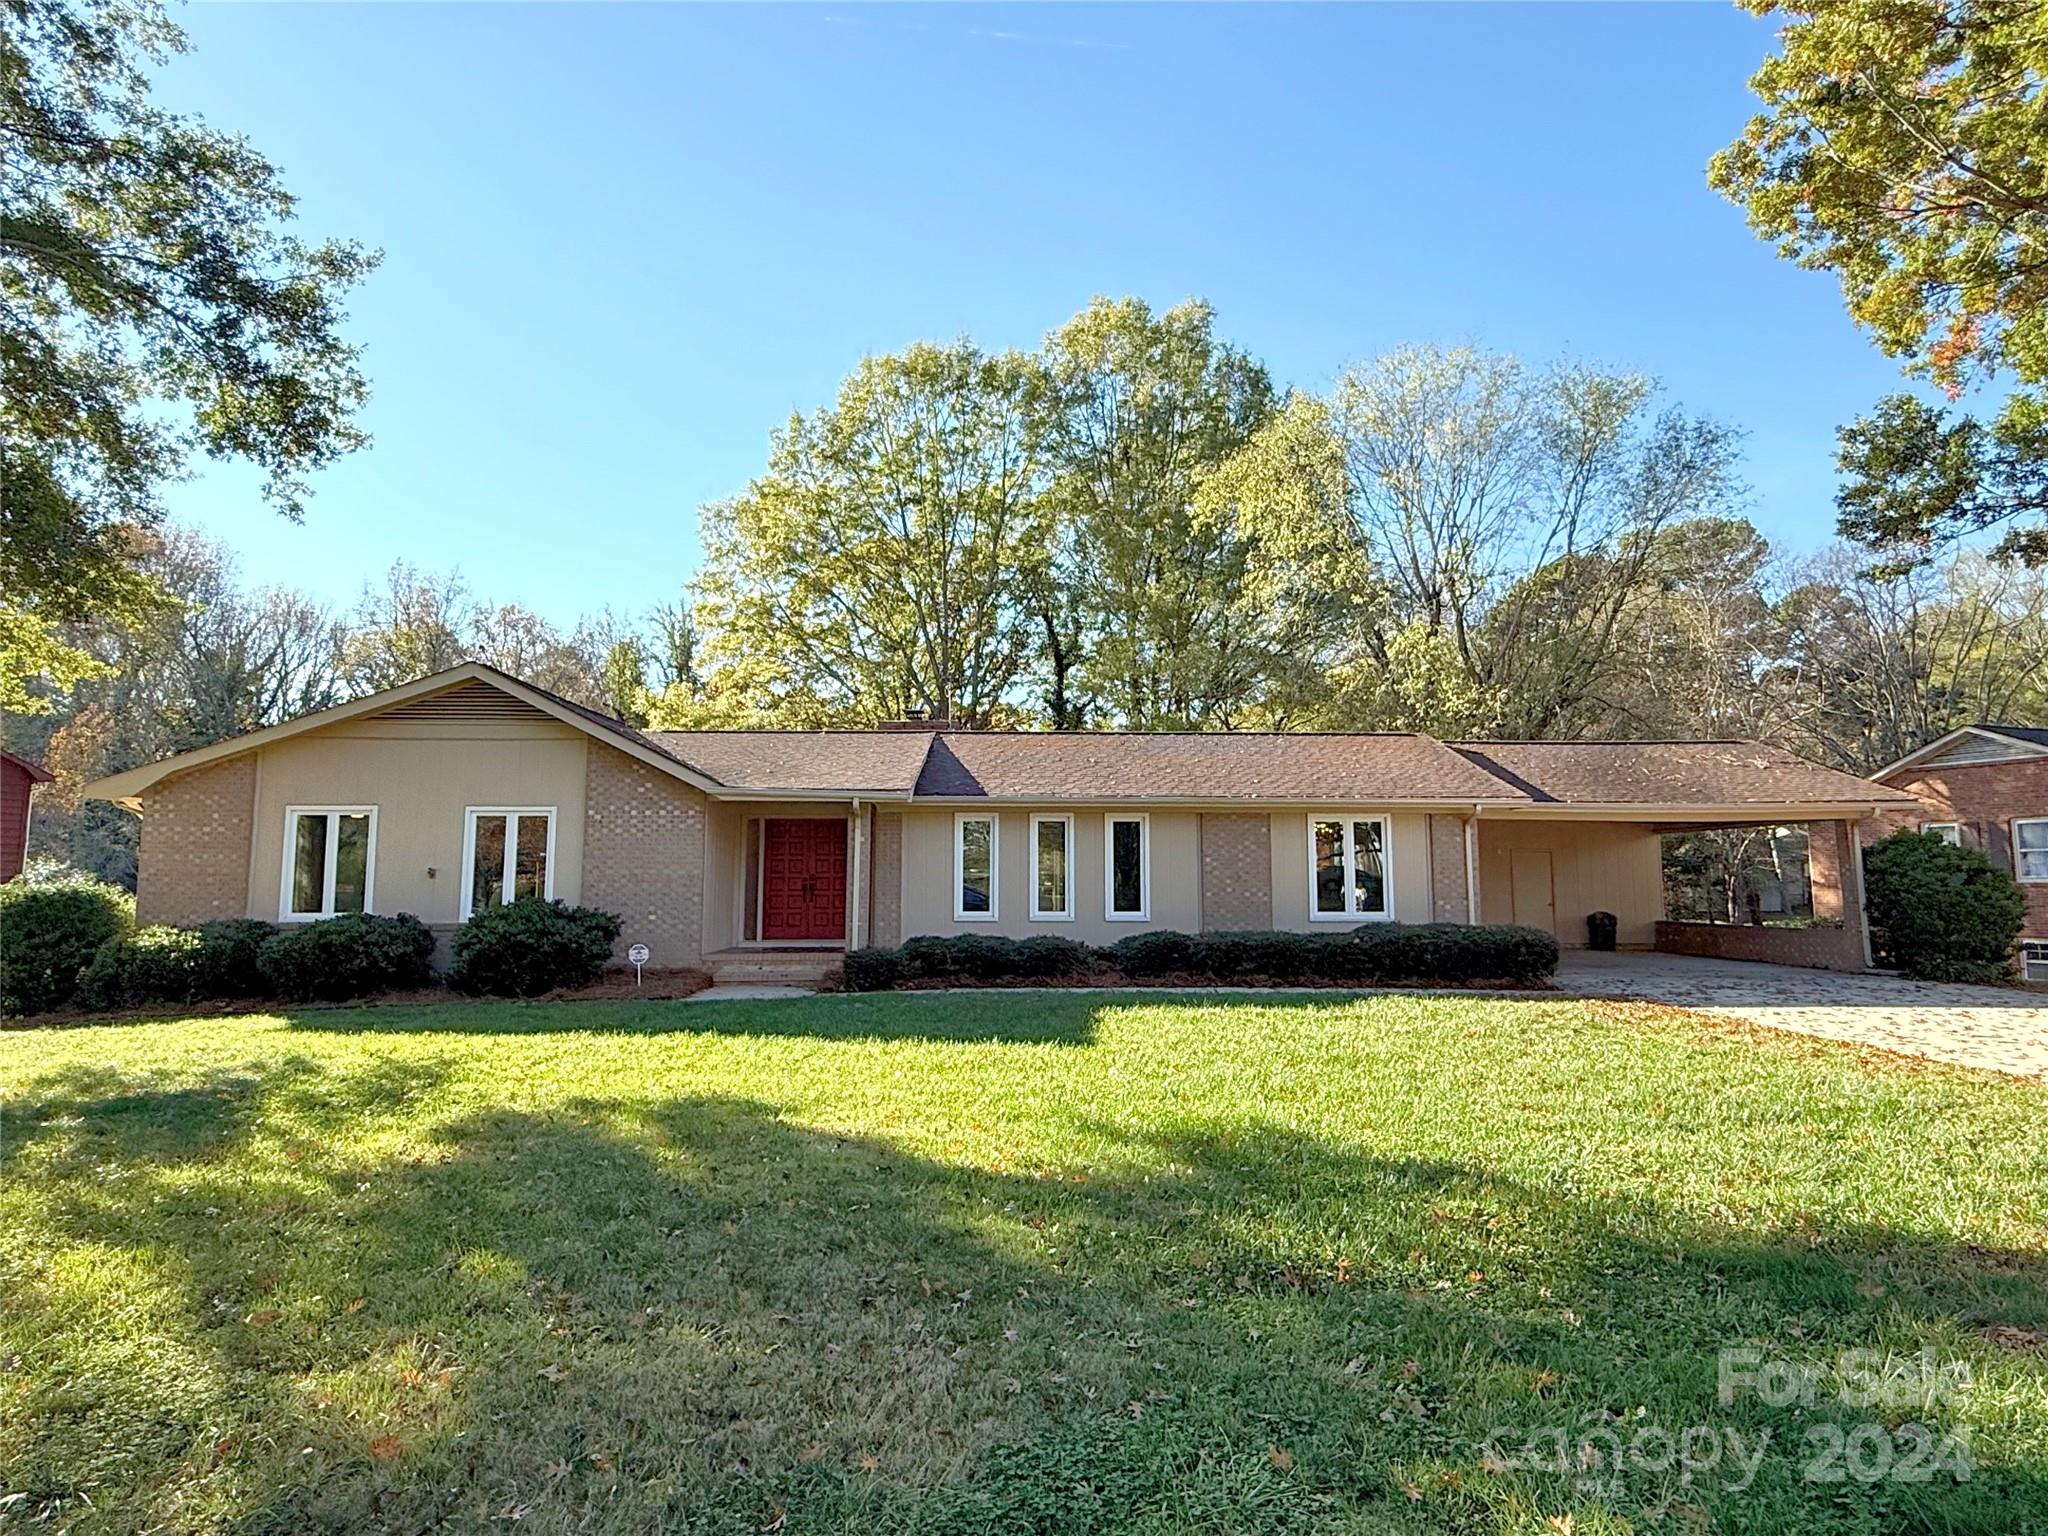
(638, 955)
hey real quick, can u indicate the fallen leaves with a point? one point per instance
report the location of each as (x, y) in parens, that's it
(1281, 1458)
(386, 1448)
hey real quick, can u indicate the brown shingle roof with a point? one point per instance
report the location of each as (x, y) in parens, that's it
(840, 761)
(1112, 765)
(1672, 773)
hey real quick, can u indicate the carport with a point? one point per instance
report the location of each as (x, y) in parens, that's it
(1591, 840)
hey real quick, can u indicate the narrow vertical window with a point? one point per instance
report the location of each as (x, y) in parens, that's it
(1348, 876)
(329, 861)
(1127, 867)
(1329, 869)
(974, 868)
(1052, 875)
(508, 853)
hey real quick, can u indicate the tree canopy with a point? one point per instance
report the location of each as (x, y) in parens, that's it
(1904, 148)
(153, 306)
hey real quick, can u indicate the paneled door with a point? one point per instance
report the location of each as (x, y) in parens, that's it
(1532, 888)
(803, 878)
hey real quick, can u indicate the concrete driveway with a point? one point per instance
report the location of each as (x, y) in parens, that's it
(1991, 1027)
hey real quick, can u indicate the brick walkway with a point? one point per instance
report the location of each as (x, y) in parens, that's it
(1994, 1028)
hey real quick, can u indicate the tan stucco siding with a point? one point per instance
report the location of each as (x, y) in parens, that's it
(422, 779)
(1291, 876)
(1613, 867)
(927, 864)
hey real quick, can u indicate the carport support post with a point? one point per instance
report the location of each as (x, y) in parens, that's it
(1841, 854)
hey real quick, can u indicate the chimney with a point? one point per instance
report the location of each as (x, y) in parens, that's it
(914, 720)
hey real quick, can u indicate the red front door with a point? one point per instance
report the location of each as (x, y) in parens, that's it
(803, 879)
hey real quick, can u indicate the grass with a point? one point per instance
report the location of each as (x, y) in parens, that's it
(988, 1263)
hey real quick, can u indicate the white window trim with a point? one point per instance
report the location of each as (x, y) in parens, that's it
(469, 816)
(2033, 952)
(1109, 911)
(995, 866)
(2019, 858)
(1066, 913)
(1347, 818)
(1938, 828)
(292, 813)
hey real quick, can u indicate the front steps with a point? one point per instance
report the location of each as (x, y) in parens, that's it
(773, 967)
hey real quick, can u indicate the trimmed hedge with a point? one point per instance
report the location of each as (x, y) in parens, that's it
(350, 956)
(178, 965)
(49, 934)
(532, 946)
(1941, 913)
(1372, 954)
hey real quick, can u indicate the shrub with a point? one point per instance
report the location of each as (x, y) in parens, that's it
(1454, 952)
(177, 965)
(872, 970)
(1144, 955)
(532, 946)
(350, 956)
(1281, 957)
(150, 965)
(1373, 953)
(230, 952)
(1048, 956)
(49, 933)
(1941, 913)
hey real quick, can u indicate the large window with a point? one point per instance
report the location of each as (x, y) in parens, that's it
(2030, 849)
(508, 851)
(1126, 868)
(1349, 880)
(330, 861)
(975, 855)
(1052, 868)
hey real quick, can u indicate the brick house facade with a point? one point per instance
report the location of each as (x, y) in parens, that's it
(471, 787)
(1990, 784)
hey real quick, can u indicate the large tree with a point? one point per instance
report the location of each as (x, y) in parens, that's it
(1513, 515)
(152, 307)
(1142, 409)
(886, 560)
(1903, 146)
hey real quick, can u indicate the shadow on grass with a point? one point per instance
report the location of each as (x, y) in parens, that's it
(699, 1315)
(994, 1016)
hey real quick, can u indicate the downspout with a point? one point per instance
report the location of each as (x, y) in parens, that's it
(1852, 832)
(1472, 866)
(855, 906)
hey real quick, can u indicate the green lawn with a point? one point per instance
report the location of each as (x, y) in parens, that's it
(1001, 1263)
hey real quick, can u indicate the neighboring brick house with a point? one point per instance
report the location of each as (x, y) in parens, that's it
(18, 780)
(471, 787)
(1984, 787)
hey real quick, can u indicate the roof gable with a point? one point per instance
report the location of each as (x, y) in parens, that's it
(1972, 745)
(455, 684)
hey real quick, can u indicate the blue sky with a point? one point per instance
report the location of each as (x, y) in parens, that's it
(623, 242)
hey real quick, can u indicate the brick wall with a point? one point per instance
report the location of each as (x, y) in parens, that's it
(1447, 869)
(886, 873)
(193, 860)
(1983, 800)
(1820, 949)
(1237, 872)
(1837, 899)
(643, 856)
